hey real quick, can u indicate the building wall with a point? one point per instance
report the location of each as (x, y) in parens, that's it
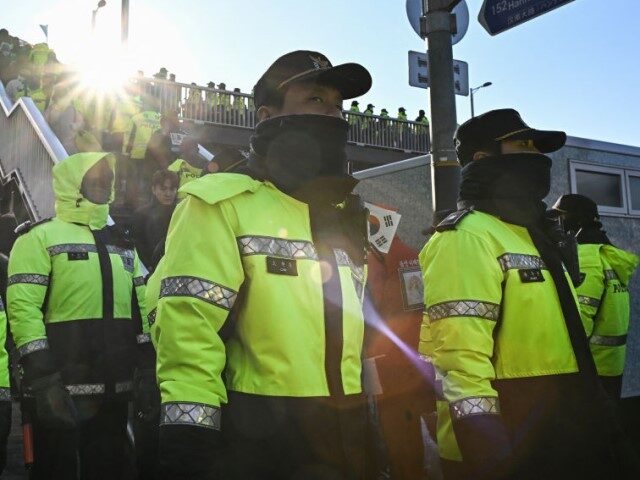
(410, 192)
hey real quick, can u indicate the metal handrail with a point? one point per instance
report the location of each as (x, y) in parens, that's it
(399, 166)
(223, 107)
(28, 151)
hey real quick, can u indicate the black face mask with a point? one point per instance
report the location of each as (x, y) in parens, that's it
(511, 186)
(293, 150)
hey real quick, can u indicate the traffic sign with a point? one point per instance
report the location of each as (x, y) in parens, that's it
(419, 73)
(496, 16)
(461, 11)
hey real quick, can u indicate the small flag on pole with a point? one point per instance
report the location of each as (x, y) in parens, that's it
(383, 224)
(45, 29)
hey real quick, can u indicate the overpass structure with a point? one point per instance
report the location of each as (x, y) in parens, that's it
(225, 118)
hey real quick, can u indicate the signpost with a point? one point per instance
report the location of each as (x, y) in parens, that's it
(497, 16)
(439, 25)
(419, 73)
(461, 11)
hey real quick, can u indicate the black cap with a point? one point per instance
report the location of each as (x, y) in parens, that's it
(355, 102)
(351, 79)
(371, 105)
(498, 125)
(222, 86)
(236, 89)
(401, 109)
(211, 85)
(421, 112)
(577, 206)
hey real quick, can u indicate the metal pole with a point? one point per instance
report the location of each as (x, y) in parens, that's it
(438, 24)
(471, 91)
(124, 22)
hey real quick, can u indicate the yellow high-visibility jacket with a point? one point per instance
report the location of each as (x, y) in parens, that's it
(186, 173)
(138, 132)
(486, 322)
(239, 244)
(604, 303)
(79, 299)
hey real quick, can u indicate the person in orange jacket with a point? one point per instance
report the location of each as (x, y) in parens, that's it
(395, 288)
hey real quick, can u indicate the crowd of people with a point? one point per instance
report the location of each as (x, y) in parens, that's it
(258, 348)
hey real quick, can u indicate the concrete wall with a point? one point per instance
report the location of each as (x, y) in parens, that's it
(409, 190)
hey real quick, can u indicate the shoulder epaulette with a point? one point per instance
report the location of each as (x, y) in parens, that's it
(28, 225)
(452, 220)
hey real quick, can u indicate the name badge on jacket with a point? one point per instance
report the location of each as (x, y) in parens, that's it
(282, 266)
(530, 275)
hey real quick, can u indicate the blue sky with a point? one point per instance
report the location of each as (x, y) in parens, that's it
(575, 68)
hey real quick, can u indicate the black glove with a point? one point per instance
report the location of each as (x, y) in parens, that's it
(146, 395)
(5, 429)
(189, 453)
(54, 406)
(484, 445)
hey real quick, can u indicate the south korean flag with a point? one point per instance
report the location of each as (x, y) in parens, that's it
(383, 224)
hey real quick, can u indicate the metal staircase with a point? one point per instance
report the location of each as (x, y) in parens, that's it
(28, 152)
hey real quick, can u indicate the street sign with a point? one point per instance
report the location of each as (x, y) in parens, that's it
(419, 73)
(461, 11)
(496, 16)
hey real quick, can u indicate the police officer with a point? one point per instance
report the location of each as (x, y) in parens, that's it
(353, 117)
(522, 399)
(75, 303)
(224, 102)
(603, 291)
(189, 166)
(263, 277)
(238, 101)
(402, 128)
(422, 118)
(369, 110)
(140, 166)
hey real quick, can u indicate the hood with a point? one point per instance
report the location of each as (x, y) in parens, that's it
(624, 263)
(71, 206)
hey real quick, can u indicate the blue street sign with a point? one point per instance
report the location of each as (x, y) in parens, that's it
(496, 16)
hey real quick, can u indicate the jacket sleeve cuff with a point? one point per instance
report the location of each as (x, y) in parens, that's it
(146, 354)
(481, 436)
(37, 360)
(188, 452)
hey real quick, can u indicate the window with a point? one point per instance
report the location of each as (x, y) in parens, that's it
(634, 192)
(603, 188)
(615, 190)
